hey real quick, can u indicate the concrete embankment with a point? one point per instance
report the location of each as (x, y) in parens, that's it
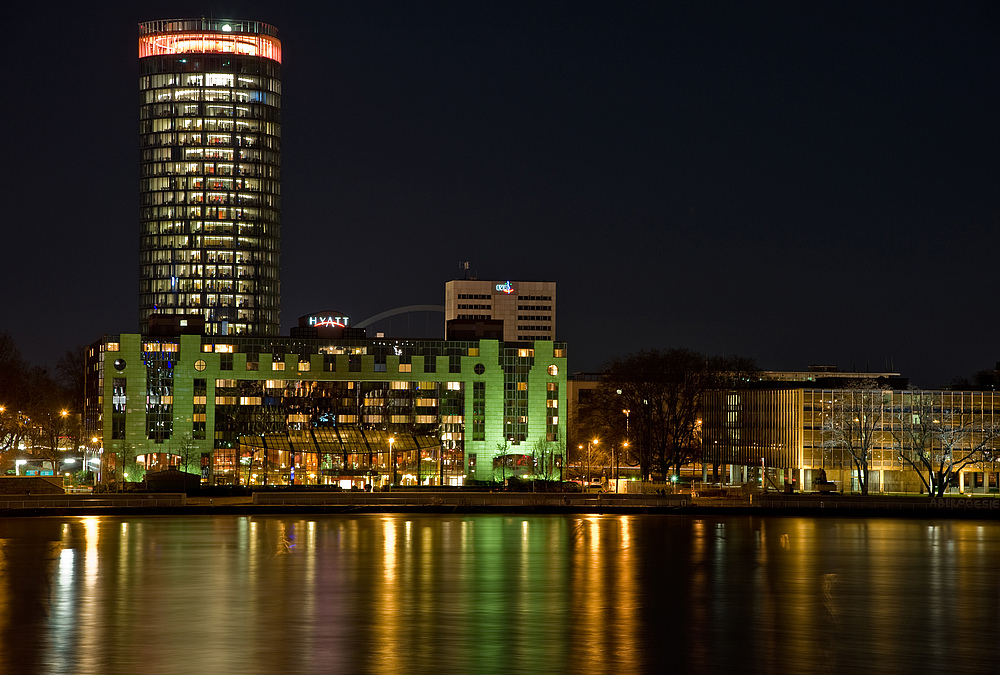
(340, 502)
(286, 502)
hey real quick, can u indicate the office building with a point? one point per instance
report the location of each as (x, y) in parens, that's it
(348, 412)
(526, 308)
(210, 126)
(798, 431)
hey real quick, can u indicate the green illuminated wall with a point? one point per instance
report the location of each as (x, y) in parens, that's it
(523, 388)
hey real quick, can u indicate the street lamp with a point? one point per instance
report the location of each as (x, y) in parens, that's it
(392, 458)
(590, 475)
(618, 463)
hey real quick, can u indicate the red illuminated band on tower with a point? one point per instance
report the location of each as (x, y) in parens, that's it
(204, 42)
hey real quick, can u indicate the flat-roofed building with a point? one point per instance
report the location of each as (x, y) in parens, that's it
(346, 412)
(527, 308)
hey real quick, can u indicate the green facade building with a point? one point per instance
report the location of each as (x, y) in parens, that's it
(304, 411)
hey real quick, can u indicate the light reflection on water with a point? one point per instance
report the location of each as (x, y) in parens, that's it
(491, 593)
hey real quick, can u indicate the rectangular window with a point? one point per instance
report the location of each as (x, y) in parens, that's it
(303, 366)
(277, 365)
(405, 367)
(225, 361)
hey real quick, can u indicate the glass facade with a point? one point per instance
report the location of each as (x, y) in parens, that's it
(803, 429)
(210, 127)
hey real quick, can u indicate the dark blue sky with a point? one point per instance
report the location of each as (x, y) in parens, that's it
(795, 184)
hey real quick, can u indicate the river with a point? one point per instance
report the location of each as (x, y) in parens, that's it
(404, 593)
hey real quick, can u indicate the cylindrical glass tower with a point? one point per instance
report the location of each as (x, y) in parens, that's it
(210, 210)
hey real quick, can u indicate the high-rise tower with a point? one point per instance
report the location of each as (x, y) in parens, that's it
(210, 121)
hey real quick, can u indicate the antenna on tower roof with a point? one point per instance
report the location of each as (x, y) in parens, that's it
(464, 266)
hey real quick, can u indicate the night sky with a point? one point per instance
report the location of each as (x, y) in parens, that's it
(773, 180)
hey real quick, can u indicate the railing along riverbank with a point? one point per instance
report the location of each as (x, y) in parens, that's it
(474, 500)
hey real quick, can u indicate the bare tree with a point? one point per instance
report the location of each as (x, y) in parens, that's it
(70, 371)
(661, 390)
(14, 417)
(854, 423)
(500, 461)
(543, 458)
(190, 454)
(939, 435)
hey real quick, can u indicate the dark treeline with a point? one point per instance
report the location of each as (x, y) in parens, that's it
(40, 410)
(648, 405)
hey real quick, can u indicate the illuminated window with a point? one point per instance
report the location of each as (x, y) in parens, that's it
(200, 365)
(405, 367)
(112, 347)
(553, 370)
(277, 365)
(303, 366)
(224, 349)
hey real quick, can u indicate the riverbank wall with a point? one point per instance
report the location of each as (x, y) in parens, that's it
(305, 503)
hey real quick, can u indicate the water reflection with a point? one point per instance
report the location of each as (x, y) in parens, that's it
(404, 594)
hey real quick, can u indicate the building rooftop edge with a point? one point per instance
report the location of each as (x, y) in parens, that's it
(205, 24)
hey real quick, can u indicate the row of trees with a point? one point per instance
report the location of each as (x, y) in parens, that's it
(935, 434)
(39, 410)
(649, 405)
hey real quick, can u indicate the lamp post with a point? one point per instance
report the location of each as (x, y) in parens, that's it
(392, 458)
(617, 465)
(590, 475)
(87, 464)
(62, 423)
